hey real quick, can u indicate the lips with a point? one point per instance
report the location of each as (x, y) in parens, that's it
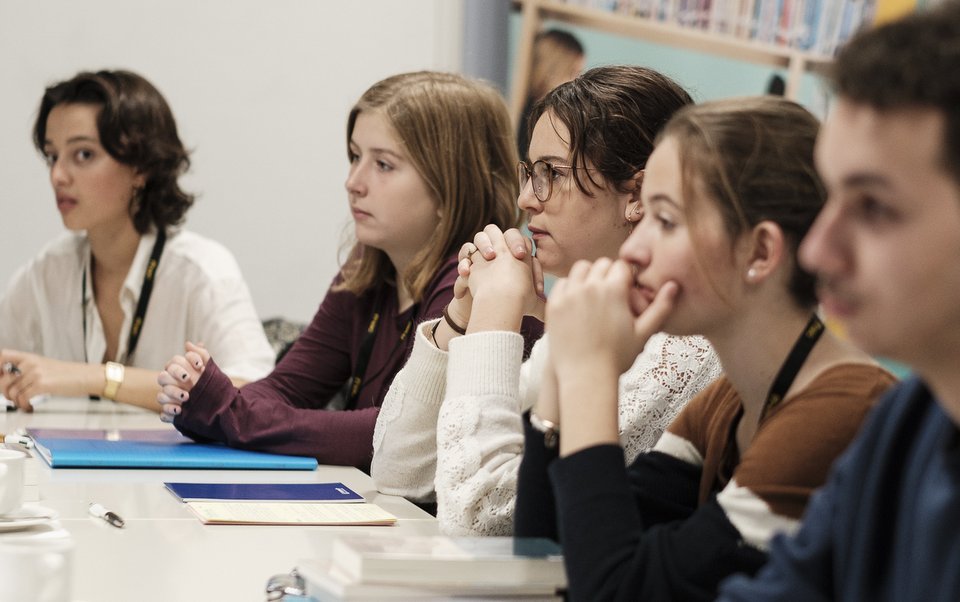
(65, 202)
(537, 233)
(834, 302)
(359, 213)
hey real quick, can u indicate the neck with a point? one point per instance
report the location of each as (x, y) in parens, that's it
(400, 266)
(942, 378)
(753, 348)
(113, 249)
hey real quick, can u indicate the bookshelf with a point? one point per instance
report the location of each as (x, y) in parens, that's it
(534, 12)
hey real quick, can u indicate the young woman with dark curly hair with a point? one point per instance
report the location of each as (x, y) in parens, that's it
(103, 306)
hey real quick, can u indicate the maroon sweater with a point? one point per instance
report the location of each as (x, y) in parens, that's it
(288, 411)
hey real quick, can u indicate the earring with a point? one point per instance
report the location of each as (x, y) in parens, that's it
(751, 274)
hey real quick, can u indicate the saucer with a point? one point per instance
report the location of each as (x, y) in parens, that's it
(26, 516)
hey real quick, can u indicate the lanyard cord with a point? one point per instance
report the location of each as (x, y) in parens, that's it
(366, 349)
(791, 366)
(146, 289)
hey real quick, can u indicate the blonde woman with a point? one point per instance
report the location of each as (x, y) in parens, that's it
(431, 160)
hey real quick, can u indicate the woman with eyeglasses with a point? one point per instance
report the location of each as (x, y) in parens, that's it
(101, 308)
(450, 430)
(729, 192)
(430, 160)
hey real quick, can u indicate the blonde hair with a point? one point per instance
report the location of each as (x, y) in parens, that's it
(457, 134)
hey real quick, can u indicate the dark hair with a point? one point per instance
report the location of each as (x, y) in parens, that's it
(561, 38)
(456, 132)
(136, 127)
(613, 115)
(912, 62)
(753, 158)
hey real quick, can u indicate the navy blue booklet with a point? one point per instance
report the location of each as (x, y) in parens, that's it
(263, 492)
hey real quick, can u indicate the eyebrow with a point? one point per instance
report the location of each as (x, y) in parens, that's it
(661, 198)
(866, 180)
(377, 150)
(561, 161)
(73, 139)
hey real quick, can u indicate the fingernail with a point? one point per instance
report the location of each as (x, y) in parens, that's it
(488, 250)
(176, 410)
(184, 377)
(197, 363)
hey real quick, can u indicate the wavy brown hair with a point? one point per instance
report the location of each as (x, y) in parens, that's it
(613, 115)
(136, 128)
(457, 134)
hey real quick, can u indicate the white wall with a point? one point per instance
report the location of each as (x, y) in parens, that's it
(260, 91)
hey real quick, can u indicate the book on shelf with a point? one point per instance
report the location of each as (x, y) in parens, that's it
(165, 448)
(264, 492)
(464, 562)
(816, 26)
(290, 513)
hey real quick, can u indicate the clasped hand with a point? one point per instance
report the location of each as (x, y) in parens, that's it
(498, 264)
(596, 314)
(178, 378)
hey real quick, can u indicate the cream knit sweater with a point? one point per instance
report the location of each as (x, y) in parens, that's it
(450, 427)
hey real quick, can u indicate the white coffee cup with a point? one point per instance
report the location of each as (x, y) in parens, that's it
(11, 479)
(38, 568)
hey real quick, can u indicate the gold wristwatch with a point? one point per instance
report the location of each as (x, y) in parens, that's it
(550, 430)
(113, 373)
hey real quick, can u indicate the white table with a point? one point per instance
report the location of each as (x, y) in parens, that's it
(164, 553)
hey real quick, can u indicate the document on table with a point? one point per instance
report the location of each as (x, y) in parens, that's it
(290, 513)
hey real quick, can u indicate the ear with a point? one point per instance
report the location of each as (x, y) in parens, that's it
(765, 252)
(634, 210)
(139, 180)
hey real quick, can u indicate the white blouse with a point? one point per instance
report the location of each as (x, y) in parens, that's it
(198, 295)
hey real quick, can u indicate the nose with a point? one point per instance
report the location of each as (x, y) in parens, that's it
(356, 183)
(636, 249)
(822, 249)
(527, 201)
(58, 174)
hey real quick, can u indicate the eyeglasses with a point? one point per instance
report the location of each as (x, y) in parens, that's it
(542, 174)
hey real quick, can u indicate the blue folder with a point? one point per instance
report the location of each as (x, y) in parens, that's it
(75, 452)
(264, 492)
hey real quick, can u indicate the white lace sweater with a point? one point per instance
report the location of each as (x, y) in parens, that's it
(450, 427)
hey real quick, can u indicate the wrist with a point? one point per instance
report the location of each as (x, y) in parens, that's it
(496, 312)
(549, 428)
(459, 311)
(113, 374)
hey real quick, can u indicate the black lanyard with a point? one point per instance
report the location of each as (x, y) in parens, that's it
(366, 349)
(145, 290)
(788, 371)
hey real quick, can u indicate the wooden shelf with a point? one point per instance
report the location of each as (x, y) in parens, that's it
(534, 12)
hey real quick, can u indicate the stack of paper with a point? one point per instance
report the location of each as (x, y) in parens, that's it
(279, 504)
(396, 567)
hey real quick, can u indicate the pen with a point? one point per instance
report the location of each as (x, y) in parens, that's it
(11, 368)
(18, 439)
(99, 511)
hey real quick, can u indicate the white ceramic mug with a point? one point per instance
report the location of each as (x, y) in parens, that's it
(37, 568)
(11, 480)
